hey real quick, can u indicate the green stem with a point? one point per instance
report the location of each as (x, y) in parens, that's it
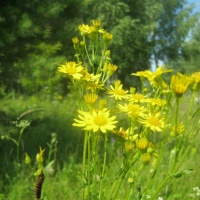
(84, 161)
(19, 141)
(160, 188)
(88, 54)
(104, 165)
(89, 167)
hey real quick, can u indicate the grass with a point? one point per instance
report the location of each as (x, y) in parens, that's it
(63, 177)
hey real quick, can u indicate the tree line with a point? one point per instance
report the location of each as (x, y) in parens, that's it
(36, 38)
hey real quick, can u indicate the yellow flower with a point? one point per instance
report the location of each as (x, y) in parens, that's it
(157, 101)
(159, 71)
(146, 158)
(84, 29)
(107, 37)
(90, 98)
(179, 84)
(154, 122)
(133, 110)
(153, 77)
(96, 120)
(117, 92)
(143, 74)
(75, 40)
(195, 81)
(110, 69)
(128, 146)
(127, 134)
(91, 77)
(72, 69)
(137, 97)
(96, 23)
(39, 156)
(142, 143)
(177, 130)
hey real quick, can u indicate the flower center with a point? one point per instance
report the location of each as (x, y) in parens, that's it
(133, 108)
(71, 70)
(154, 121)
(100, 120)
(119, 92)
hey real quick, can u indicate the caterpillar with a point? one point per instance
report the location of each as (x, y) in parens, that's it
(38, 185)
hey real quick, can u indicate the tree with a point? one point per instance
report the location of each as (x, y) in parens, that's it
(35, 38)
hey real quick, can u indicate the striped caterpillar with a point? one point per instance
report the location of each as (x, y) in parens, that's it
(38, 185)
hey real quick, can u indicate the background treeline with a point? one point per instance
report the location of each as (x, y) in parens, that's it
(36, 38)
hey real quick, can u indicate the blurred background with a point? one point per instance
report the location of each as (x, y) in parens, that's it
(35, 37)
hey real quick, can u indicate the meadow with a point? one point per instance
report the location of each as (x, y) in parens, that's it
(63, 154)
(103, 141)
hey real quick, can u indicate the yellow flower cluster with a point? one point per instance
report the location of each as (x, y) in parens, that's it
(147, 112)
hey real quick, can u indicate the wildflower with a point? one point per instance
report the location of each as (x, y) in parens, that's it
(143, 74)
(90, 98)
(128, 146)
(110, 68)
(177, 130)
(27, 159)
(39, 156)
(159, 71)
(84, 29)
(133, 110)
(107, 37)
(142, 143)
(93, 86)
(137, 97)
(196, 81)
(153, 121)
(117, 92)
(72, 69)
(91, 77)
(157, 101)
(75, 40)
(179, 84)
(96, 120)
(96, 24)
(127, 134)
(146, 158)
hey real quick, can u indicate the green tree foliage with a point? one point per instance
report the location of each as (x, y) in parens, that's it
(173, 25)
(34, 40)
(191, 52)
(36, 37)
(144, 29)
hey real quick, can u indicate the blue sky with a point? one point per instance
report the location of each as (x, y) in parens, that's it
(197, 5)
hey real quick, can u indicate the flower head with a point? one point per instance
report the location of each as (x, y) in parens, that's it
(117, 92)
(96, 120)
(136, 97)
(157, 101)
(153, 121)
(142, 143)
(196, 81)
(84, 29)
(179, 84)
(133, 110)
(110, 69)
(72, 69)
(143, 74)
(90, 98)
(40, 156)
